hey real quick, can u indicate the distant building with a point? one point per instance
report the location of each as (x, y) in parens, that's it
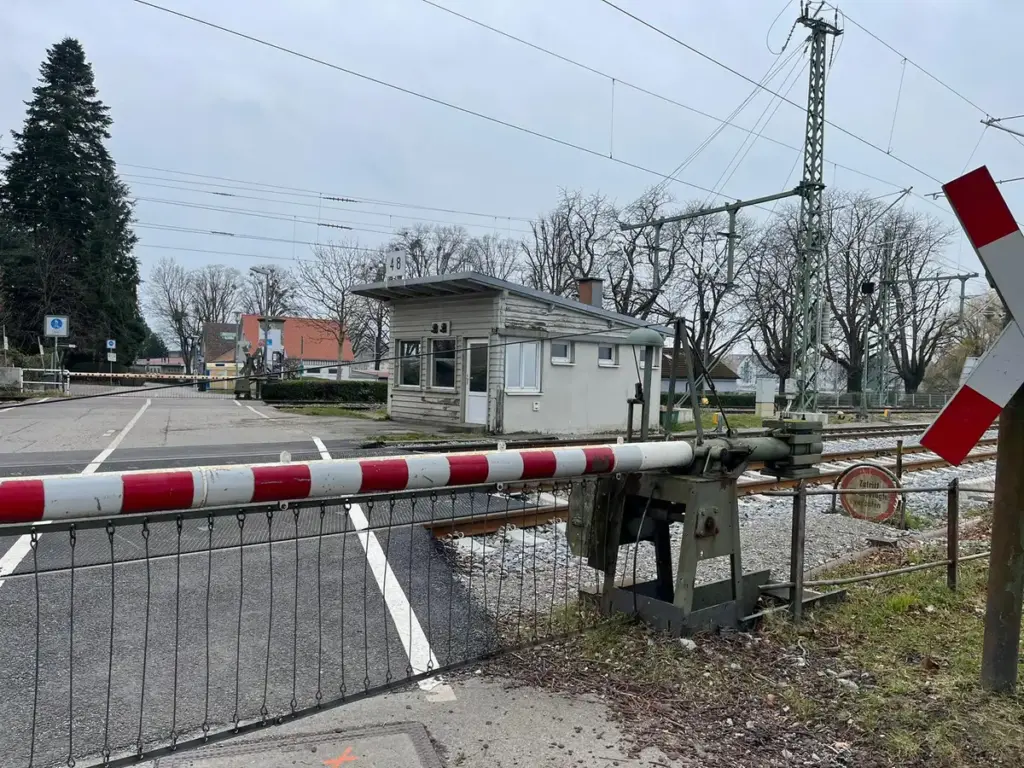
(831, 379)
(722, 376)
(309, 341)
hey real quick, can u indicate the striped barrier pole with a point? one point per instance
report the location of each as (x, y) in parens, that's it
(61, 497)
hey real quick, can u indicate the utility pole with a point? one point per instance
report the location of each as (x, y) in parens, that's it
(807, 320)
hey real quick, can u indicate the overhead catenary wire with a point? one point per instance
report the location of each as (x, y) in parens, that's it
(737, 73)
(466, 110)
(647, 92)
(417, 94)
(279, 189)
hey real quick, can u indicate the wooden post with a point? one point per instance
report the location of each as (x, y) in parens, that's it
(952, 532)
(1001, 650)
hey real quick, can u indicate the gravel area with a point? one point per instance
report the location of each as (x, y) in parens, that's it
(518, 574)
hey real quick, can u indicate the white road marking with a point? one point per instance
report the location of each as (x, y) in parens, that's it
(237, 403)
(13, 557)
(257, 412)
(42, 400)
(410, 631)
(105, 453)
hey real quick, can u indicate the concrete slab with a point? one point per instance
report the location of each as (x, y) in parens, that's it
(399, 745)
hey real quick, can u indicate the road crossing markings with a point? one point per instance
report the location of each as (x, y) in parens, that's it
(17, 552)
(410, 631)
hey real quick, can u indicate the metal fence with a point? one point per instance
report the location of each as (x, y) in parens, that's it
(128, 635)
(797, 584)
(125, 637)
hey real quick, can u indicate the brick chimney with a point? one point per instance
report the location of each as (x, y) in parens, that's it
(590, 291)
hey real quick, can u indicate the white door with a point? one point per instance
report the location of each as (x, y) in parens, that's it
(476, 381)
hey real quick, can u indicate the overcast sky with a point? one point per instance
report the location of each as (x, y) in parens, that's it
(187, 98)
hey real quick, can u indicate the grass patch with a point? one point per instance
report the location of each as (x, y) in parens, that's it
(736, 421)
(337, 410)
(916, 649)
(890, 677)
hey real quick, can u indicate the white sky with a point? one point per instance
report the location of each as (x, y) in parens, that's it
(192, 99)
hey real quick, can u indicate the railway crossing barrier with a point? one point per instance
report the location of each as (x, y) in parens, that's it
(163, 609)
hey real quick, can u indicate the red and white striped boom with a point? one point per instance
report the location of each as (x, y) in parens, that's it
(58, 497)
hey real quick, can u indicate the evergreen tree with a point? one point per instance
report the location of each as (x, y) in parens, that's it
(65, 217)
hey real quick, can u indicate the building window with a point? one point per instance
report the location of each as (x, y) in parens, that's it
(409, 364)
(641, 356)
(563, 352)
(522, 366)
(607, 355)
(442, 369)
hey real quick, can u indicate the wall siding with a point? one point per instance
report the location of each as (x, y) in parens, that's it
(470, 318)
(574, 399)
(533, 315)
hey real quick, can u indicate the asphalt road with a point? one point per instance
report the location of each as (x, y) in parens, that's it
(190, 628)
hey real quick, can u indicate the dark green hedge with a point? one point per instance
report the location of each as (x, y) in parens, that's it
(345, 391)
(727, 399)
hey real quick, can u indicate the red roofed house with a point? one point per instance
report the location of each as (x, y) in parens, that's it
(314, 342)
(309, 340)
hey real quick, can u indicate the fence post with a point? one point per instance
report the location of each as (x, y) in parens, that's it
(899, 479)
(796, 553)
(952, 532)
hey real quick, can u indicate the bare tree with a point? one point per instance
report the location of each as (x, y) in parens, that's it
(371, 328)
(170, 299)
(495, 256)
(767, 286)
(324, 284)
(923, 322)
(716, 312)
(216, 290)
(853, 255)
(573, 240)
(269, 295)
(636, 270)
(982, 322)
(434, 249)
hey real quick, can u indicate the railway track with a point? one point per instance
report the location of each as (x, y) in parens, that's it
(829, 433)
(543, 514)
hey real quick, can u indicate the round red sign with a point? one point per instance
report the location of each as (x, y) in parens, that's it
(876, 507)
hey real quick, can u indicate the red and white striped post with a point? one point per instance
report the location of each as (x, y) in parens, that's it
(61, 497)
(994, 387)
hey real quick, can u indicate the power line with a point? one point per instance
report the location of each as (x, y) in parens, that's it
(440, 102)
(301, 192)
(417, 94)
(876, 38)
(750, 80)
(640, 89)
(306, 220)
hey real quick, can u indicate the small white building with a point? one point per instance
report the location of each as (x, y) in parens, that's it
(472, 350)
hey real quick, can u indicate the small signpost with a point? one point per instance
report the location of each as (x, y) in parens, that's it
(876, 507)
(994, 384)
(56, 326)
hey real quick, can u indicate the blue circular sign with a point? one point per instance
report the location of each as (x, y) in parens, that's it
(56, 323)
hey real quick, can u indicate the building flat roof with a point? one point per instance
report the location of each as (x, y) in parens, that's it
(474, 283)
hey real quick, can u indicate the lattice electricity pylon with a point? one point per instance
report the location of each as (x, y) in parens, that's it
(809, 307)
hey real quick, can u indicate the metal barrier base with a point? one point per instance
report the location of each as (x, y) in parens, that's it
(713, 605)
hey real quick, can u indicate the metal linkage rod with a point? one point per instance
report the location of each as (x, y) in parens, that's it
(59, 497)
